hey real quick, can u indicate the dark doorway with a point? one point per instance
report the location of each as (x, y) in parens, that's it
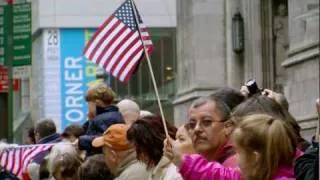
(3, 116)
(274, 22)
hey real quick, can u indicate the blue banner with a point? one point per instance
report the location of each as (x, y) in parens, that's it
(76, 75)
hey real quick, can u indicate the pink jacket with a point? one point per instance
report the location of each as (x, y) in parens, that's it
(226, 155)
(196, 167)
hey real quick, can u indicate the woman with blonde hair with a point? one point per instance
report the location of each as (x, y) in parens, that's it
(265, 146)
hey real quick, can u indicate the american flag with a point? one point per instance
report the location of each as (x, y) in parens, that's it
(117, 46)
(16, 159)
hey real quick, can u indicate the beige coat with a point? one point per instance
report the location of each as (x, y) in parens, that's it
(165, 170)
(131, 169)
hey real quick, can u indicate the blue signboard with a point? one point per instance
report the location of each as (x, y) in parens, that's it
(76, 75)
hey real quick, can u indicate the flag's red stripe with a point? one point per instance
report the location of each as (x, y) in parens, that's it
(143, 29)
(106, 63)
(17, 166)
(35, 154)
(129, 74)
(28, 156)
(145, 38)
(105, 49)
(123, 53)
(7, 160)
(21, 162)
(140, 48)
(97, 33)
(13, 160)
(29, 153)
(1, 155)
(114, 26)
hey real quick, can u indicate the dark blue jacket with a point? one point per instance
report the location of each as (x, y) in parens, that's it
(54, 138)
(101, 122)
(5, 175)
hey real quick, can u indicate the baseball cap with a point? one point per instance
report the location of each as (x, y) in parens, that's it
(115, 137)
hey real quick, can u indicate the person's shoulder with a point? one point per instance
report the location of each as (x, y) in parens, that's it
(138, 166)
(231, 161)
(172, 173)
(136, 171)
(109, 116)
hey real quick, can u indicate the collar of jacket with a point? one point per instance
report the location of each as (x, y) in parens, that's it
(131, 158)
(50, 139)
(225, 152)
(112, 108)
(161, 166)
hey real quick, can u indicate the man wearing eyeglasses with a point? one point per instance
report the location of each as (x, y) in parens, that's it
(210, 134)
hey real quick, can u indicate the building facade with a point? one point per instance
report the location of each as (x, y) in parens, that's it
(194, 54)
(61, 30)
(55, 84)
(281, 51)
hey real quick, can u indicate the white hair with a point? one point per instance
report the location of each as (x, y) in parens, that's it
(130, 110)
(128, 105)
(57, 151)
(144, 113)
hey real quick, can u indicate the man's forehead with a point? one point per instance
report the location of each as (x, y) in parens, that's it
(208, 109)
(209, 106)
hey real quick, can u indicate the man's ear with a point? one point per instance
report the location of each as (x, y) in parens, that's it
(113, 156)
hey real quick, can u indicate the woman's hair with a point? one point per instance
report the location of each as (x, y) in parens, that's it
(148, 135)
(65, 160)
(271, 139)
(229, 96)
(31, 135)
(261, 104)
(94, 168)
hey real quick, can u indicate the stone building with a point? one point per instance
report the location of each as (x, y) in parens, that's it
(281, 51)
(194, 55)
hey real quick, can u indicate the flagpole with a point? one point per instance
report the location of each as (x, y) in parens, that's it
(151, 70)
(317, 138)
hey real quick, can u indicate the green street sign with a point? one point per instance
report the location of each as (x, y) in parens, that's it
(22, 41)
(3, 39)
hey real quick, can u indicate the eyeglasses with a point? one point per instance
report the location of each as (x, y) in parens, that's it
(203, 124)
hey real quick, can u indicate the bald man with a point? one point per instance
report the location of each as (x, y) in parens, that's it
(130, 110)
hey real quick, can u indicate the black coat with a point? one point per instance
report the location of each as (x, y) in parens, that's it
(101, 122)
(306, 166)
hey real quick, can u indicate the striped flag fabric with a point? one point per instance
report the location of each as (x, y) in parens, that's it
(118, 45)
(16, 159)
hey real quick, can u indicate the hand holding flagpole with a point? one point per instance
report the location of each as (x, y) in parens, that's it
(151, 70)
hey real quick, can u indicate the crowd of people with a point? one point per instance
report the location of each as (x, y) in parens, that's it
(229, 135)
